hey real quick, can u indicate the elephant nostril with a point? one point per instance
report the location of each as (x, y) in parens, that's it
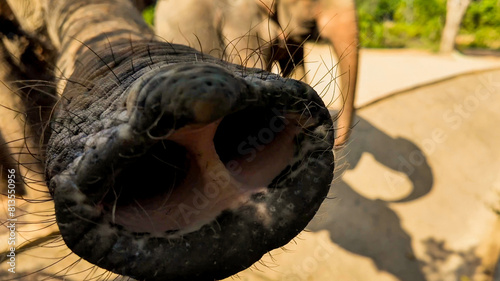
(256, 144)
(207, 168)
(154, 174)
(239, 129)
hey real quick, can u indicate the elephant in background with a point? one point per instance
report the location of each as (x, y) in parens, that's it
(260, 33)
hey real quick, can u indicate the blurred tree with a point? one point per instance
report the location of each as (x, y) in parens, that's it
(455, 11)
(479, 28)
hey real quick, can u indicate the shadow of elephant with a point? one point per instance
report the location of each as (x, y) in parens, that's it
(369, 227)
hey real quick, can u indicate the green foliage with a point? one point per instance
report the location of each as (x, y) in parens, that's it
(401, 23)
(419, 24)
(481, 13)
(384, 10)
(481, 24)
(149, 15)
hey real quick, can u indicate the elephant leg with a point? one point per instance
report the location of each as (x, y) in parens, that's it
(337, 22)
(298, 71)
(291, 60)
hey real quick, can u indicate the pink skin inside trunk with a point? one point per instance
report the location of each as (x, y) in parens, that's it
(210, 186)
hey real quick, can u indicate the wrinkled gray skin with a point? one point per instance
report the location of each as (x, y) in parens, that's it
(258, 33)
(165, 163)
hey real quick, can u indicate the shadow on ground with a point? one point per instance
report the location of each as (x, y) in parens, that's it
(369, 227)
